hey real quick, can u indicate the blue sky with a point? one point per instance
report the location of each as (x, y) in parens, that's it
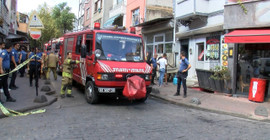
(26, 6)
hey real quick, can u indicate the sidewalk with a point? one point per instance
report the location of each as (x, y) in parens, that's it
(214, 102)
(25, 96)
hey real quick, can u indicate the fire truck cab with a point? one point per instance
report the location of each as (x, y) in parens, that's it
(109, 58)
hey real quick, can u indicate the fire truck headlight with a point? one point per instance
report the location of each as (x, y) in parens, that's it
(104, 77)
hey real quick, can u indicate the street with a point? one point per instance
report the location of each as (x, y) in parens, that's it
(120, 119)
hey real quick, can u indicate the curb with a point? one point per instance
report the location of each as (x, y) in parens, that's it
(33, 107)
(206, 109)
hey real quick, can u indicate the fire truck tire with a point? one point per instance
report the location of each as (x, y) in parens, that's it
(90, 94)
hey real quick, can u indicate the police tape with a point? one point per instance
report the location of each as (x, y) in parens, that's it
(19, 66)
(12, 113)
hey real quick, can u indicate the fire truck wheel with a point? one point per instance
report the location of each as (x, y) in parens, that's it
(90, 94)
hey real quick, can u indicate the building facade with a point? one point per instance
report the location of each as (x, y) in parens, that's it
(4, 20)
(135, 12)
(88, 9)
(117, 14)
(157, 30)
(80, 20)
(248, 38)
(199, 33)
(12, 8)
(23, 21)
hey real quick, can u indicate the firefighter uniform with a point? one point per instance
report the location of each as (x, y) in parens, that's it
(51, 60)
(67, 76)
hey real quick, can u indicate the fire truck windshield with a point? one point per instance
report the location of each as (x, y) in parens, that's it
(116, 47)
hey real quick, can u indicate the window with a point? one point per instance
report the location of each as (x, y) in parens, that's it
(160, 48)
(200, 47)
(213, 48)
(159, 39)
(135, 17)
(168, 47)
(88, 13)
(118, 1)
(68, 46)
(89, 44)
(79, 44)
(98, 5)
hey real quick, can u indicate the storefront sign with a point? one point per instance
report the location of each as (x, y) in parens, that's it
(213, 48)
(224, 55)
(230, 52)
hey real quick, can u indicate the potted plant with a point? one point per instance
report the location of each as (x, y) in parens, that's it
(221, 76)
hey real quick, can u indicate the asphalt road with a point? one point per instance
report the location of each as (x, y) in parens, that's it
(70, 119)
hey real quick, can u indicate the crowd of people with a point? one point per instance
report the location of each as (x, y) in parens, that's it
(182, 73)
(12, 55)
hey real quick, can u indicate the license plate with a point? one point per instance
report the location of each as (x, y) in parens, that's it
(106, 90)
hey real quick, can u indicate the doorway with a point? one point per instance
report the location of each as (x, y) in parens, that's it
(184, 46)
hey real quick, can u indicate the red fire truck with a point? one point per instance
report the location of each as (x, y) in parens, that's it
(110, 57)
(55, 45)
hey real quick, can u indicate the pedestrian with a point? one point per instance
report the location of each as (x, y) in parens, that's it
(33, 68)
(44, 68)
(182, 74)
(51, 60)
(23, 57)
(154, 68)
(67, 75)
(4, 69)
(162, 62)
(14, 61)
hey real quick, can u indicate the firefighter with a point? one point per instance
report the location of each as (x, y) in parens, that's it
(68, 66)
(51, 60)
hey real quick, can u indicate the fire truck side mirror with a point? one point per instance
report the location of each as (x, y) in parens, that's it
(83, 51)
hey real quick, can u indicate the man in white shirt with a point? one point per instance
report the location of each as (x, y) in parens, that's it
(162, 62)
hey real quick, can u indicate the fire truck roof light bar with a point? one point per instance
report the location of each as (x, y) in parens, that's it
(97, 25)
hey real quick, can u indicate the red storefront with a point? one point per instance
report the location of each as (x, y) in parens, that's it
(249, 50)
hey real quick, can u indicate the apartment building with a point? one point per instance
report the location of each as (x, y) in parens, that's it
(199, 33)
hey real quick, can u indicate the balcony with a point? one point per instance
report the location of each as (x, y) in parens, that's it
(117, 9)
(190, 10)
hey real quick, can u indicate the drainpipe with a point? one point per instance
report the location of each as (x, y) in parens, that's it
(174, 29)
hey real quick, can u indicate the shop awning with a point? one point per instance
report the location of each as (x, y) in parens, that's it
(248, 36)
(111, 20)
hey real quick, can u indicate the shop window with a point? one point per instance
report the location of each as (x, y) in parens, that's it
(136, 17)
(160, 48)
(213, 48)
(200, 47)
(150, 39)
(159, 39)
(253, 62)
(78, 44)
(168, 47)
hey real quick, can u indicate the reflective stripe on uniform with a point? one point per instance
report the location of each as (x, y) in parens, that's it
(65, 74)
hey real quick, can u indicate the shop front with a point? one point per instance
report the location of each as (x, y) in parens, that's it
(249, 59)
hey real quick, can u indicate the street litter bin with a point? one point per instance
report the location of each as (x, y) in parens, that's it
(257, 89)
